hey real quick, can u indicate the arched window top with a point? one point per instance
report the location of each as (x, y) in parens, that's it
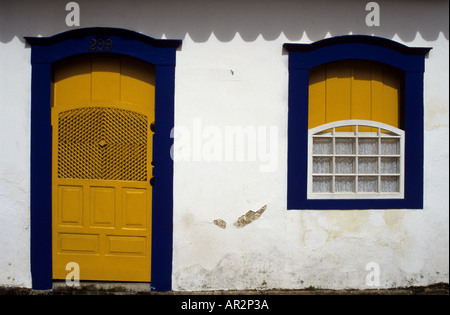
(388, 130)
(358, 39)
(363, 47)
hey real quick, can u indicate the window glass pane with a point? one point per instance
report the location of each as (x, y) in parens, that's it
(367, 146)
(345, 165)
(322, 146)
(345, 146)
(390, 165)
(368, 165)
(344, 184)
(367, 184)
(321, 184)
(348, 160)
(389, 184)
(390, 146)
(322, 165)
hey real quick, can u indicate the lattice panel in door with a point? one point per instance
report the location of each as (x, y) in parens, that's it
(102, 143)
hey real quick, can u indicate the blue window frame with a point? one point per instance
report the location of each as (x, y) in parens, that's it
(45, 51)
(304, 57)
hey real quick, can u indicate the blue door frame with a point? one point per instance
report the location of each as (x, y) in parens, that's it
(45, 51)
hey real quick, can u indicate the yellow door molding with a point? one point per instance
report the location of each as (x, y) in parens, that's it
(101, 166)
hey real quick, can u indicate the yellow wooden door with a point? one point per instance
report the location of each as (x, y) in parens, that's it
(354, 89)
(102, 154)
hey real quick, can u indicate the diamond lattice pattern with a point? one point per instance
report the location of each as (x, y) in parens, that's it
(102, 143)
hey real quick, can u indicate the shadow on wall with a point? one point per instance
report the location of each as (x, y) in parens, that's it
(250, 18)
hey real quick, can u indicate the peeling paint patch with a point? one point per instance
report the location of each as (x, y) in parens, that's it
(249, 217)
(220, 223)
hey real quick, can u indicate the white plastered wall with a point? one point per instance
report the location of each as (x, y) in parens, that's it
(15, 88)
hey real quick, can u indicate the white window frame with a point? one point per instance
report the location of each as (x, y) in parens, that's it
(394, 133)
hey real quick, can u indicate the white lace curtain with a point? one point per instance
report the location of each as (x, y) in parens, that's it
(355, 164)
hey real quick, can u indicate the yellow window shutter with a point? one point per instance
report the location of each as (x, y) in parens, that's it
(354, 89)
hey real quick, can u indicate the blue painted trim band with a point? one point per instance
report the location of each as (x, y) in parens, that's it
(44, 53)
(41, 175)
(358, 39)
(104, 31)
(304, 57)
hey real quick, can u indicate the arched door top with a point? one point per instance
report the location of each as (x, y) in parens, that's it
(103, 40)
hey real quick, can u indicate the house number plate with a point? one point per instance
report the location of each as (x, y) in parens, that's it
(100, 44)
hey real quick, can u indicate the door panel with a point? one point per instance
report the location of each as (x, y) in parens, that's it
(126, 245)
(134, 208)
(70, 205)
(78, 243)
(106, 78)
(102, 153)
(103, 206)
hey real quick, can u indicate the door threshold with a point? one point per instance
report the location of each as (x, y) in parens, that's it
(99, 287)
